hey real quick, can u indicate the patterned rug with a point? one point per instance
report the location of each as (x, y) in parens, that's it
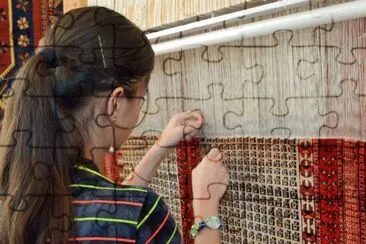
(280, 191)
(22, 24)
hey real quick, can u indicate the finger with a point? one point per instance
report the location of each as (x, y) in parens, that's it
(197, 115)
(182, 117)
(214, 155)
(188, 122)
(214, 152)
(193, 133)
(191, 114)
(196, 110)
(194, 116)
(190, 130)
(196, 123)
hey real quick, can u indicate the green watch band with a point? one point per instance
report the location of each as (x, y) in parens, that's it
(213, 222)
(194, 230)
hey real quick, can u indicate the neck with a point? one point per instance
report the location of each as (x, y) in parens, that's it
(97, 156)
(96, 148)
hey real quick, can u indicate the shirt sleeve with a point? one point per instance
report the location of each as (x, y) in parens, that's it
(156, 224)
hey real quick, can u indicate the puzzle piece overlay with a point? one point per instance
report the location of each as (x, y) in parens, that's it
(292, 84)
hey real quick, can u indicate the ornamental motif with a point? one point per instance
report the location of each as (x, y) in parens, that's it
(22, 5)
(23, 23)
(23, 41)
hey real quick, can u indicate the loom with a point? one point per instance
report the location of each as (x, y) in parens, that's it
(281, 86)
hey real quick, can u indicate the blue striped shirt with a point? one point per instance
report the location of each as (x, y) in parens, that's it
(105, 212)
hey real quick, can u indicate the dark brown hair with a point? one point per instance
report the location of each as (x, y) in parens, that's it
(95, 50)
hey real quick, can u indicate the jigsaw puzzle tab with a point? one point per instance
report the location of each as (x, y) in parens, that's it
(329, 38)
(218, 58)
(214, 102)
(351, 118)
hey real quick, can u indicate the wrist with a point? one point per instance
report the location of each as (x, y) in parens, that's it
(162, 150)
(212, 222)
(205, 208)
(209, 202)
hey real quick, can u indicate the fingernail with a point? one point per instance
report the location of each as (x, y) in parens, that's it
(214, 154)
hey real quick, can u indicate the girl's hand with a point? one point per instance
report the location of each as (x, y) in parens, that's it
(210, 179)
(182, 126)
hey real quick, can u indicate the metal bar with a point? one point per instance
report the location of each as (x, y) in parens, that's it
(326, 15)
(247, 13)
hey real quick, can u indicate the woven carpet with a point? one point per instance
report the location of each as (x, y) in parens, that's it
(280, 191)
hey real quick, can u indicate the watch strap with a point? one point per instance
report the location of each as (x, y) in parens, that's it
(207, 222)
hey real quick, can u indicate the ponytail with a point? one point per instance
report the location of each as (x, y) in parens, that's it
(93, 51)
(34, 165)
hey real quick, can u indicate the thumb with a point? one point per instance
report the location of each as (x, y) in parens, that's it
(214, 155)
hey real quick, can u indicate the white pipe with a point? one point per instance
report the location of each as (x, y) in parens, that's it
(336, 13)
(247, 13)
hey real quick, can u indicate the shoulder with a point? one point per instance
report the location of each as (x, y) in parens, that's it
(98, 186)
(156, 224)
(153, 199)
(136, 213)
(154, 204)
(147, 216)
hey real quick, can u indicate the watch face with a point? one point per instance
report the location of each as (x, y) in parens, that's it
(213, 222)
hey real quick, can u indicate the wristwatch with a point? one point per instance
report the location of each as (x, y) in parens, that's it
(212, 222)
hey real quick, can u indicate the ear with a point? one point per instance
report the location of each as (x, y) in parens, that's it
(113, 103)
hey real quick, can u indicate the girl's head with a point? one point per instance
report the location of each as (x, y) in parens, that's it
(82, 90)
(104, 65)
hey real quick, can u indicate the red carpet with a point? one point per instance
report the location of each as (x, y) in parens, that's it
(281, 190)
